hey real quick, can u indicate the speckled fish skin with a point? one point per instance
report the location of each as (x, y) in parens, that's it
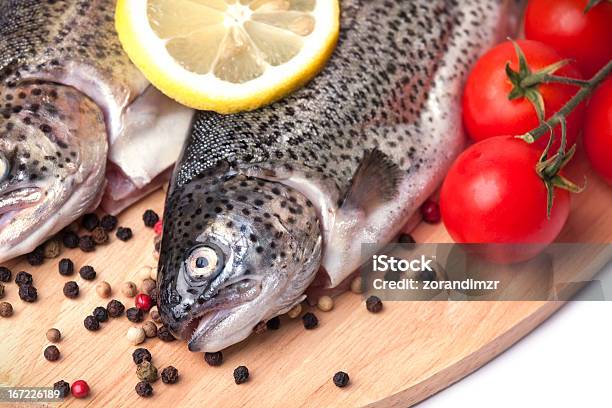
(366, 142)
(70, 50)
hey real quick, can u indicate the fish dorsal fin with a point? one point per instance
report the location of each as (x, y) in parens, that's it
(376, 181)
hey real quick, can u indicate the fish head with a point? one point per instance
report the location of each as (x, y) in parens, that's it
(42, 161)
(233, 254)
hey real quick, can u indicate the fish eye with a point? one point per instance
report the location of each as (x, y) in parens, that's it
(5, 167)
(204, 262)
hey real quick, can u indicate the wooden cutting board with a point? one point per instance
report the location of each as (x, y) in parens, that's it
(396, 358)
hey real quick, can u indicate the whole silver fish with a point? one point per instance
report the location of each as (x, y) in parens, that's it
(69, 100)
(261, 200)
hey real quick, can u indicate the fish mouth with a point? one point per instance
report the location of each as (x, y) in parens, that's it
(231, 296)
(13, 201)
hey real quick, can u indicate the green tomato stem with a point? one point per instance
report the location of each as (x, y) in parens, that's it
(582, 94)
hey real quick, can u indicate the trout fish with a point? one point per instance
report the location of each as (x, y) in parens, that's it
(71, 102)
(260, 202)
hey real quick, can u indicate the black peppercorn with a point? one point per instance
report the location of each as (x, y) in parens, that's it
(428, 275)
(214, 359)
(86, 243)
(52, 353)
(71, 289)
(87, 272)
(115, 308)
(150, 218)
(6, 309)
(169, 375)
(99, 236)
(36, 257)
(273, 323)
(310, 321)
(5, 274)
(406, 239)
(66, 267)
(144, 389)
(124, 233)
(241, 374)
(70, 239)
(141, 354)
(63, 387)
(374, 304)
(23, 278)
(101, 314)
(108, 223)
(134, 315)
(341, 379)
(163, 333)
(28, 293)
(91, 323)
(90, 221)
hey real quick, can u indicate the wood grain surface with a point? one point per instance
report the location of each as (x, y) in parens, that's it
(395, 359)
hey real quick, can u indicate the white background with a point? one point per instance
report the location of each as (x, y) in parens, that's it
(565, 362)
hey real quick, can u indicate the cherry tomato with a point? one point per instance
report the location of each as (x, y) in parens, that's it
(488, 112)
(598, 130)
(563, 25)
(492, 194)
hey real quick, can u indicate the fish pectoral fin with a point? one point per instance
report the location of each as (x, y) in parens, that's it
(375, 182)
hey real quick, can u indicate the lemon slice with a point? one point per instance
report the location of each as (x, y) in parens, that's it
(228, 55)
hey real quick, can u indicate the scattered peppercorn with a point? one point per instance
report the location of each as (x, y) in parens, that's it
(115, 308)
(63, 387)
(154, 313)
(170, 375)
(28, 293)
(357, 285)
(71, 289)
(143, 302)
(80, 389)
(36, 257)
(103, 289)
(108, 223)
(99, 236)
(295, 311)
(87, 244)
(150, 329)
(147, 286)
(374, 304)
(70, 239)
(124, 233)
(5, 274)
(310, 321)
(147, 372)
(1, 291)
(427, 275)
(273, 323)
(163, 333)
(241, 374)
(52, 353)
(51, 249)
(214, 359)
(430, 210)
(150, 218)
(6, 309)
(341, 379)
(406, 239)
(141, 354)
(144, 389)
(129, 289)
(66, 267)
(260, 327)
(87, 272)
(23, 278)
(325, 303)
(134, 315)
(135, 335)
(101, 314)
(91, 323)
(90, 221)
(153, 296)
(144, 273)
(54, 335)
(158, 227)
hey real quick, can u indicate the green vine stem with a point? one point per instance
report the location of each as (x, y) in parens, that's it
(587, 88)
